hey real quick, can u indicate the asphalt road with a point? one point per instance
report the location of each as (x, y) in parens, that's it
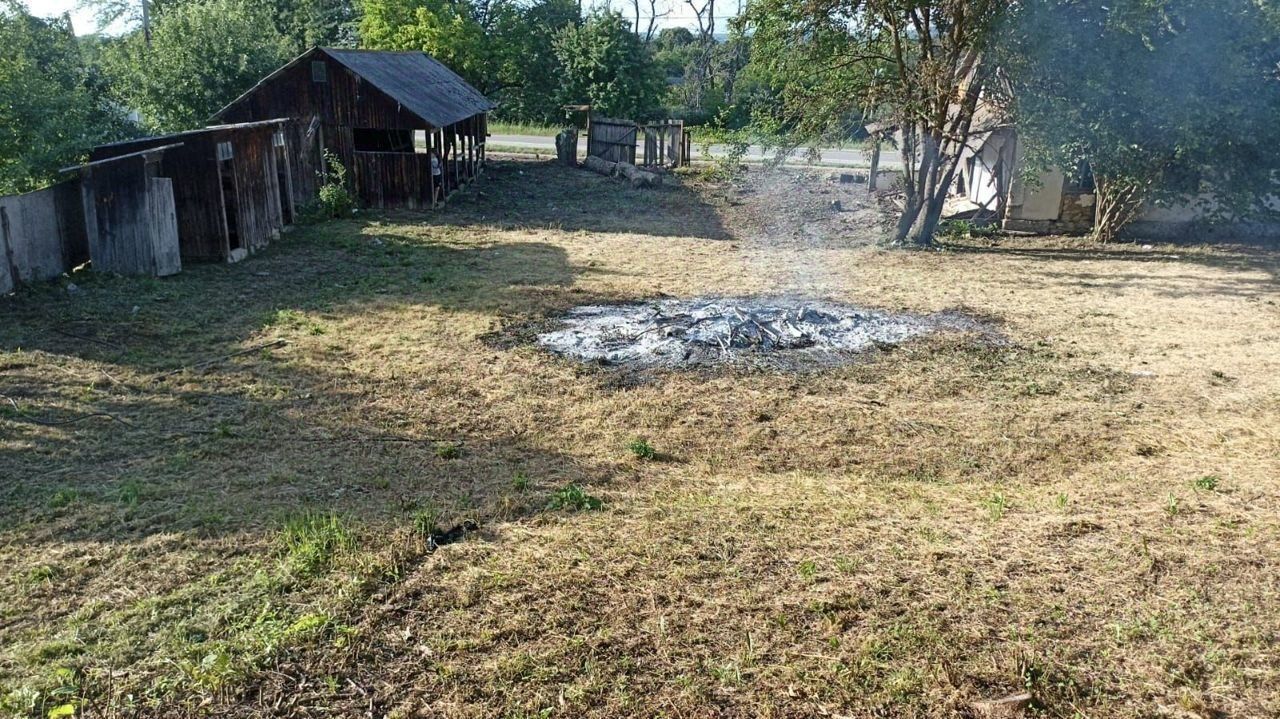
(832, 156)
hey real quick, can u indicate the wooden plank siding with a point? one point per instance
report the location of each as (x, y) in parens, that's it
(394, 179)
(42, 235)
(337, 101)
(200, 200)
(117, 217)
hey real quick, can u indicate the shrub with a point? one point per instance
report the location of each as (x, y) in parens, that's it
(335, 200)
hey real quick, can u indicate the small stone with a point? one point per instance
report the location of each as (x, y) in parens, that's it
(72, 288)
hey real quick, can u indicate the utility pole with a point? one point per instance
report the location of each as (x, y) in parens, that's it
(146, 22)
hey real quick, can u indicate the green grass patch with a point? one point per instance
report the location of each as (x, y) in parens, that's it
(311, 541)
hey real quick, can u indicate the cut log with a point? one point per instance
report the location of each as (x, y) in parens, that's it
(638, 177)
(602, 166)
(567, 146)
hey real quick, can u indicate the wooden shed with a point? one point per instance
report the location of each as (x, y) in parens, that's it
(129, 213)
(233, 185)
(384, 115)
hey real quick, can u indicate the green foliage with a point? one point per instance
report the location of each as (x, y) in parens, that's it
(997, 504)
(448, 450)
(202, 55)
(426, 521)
(504, 49)
(63, 497)
(1159, 100)
(311, 540)
(574, 497)
(919, 67)
(963, 229)
(1208, 482)
(334, 200)
(52, 103)
(130, 492)
(641, 449)
(603, 63)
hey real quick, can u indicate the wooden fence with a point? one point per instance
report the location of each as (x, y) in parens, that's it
(42, 235)
(659, 144)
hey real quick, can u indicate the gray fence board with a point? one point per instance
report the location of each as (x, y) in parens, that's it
(42, 234)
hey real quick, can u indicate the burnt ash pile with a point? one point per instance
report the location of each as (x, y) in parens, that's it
(778, 333)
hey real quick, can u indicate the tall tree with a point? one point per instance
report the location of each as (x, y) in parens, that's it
(1160, 100)
(916, 65)
(503, 48)
(647, 14)
(51, 106)
(604, 64)
(201, 56)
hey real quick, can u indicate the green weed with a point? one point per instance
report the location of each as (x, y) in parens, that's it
(63, 497)
(130, 492)
(448, 450)
(997, 505)
(574, 497)
(311, 541)
(426, 521)
(641, 449)
(1207, 483)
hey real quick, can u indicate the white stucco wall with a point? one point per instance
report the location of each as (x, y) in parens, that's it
(1042, 201)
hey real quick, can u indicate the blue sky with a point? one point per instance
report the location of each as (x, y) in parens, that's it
(681, 14)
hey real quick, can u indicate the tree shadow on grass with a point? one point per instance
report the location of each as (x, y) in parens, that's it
(547, 195)
(1235, 261)
(220, 432)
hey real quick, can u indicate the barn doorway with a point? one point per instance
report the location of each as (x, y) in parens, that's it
(230, 208)
(284, 178)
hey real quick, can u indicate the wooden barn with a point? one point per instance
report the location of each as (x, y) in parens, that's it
(234, 186)
(384, 115)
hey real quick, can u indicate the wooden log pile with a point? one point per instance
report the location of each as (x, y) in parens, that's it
(637, 177)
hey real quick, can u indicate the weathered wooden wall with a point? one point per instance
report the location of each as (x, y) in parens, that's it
(394, 179)
(42, 235)
(343, 102)
(663, 143)
(129, 218)
(612, 140)
(198, 192)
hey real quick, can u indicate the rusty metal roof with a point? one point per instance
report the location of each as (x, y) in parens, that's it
(419, 82)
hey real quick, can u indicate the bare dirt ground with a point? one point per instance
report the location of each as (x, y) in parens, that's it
(1088, 513)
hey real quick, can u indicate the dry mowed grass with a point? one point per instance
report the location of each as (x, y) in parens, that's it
(1088, 513)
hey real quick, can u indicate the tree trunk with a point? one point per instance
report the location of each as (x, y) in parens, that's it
(1117, 203)
(567, 146)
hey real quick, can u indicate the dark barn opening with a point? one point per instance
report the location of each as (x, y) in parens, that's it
(227, 178)
(284, 179)
(368, 139)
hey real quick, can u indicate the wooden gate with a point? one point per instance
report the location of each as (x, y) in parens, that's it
(665, 143)
(612, 140)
